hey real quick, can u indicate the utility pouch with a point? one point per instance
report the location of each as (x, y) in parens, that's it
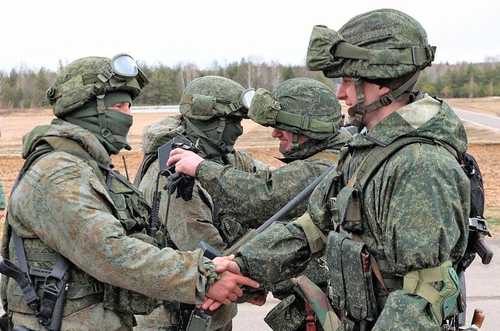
(288, 315)
(128, 302)
(346, 209)
(351, 284)
(199, 321)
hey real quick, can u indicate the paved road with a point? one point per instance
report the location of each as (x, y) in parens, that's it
(483, 286)
(481, 119)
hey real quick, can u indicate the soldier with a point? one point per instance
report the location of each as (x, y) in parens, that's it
(396, 210)
(305, 115)
(2, 202)
(76, 229)
(306, 119)
(210, 119)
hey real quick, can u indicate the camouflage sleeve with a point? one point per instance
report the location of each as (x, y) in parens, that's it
(424, 210)
(2, 197)
(269, 189)
(279, 253)
(424, 213)
(244, 162)
(190, 222)
(67, 207)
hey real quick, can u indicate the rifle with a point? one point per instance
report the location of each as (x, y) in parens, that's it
(211, 252)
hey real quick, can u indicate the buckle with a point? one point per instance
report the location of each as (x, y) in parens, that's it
(387, 99)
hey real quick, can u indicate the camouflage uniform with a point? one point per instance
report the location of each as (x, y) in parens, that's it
(272, 188)
(191, 221)
(304, 101)
(70, 203)
(412, 214)
(2, 197)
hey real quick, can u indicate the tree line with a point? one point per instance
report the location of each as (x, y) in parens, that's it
(25, 88)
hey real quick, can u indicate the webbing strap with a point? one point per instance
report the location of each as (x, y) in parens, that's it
(418, 56)
(394, 95)
(419, 282)
(374, 160)
(315, 238)
(305, 122)
(20, 273)
(53, 295)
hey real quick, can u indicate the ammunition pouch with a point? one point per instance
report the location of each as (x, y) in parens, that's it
(346, 209)
(351, 285)
(288, 315)
(128, 302)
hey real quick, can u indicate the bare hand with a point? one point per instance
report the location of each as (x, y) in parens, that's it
(2, 216)
(227, 289)
(186, 162)
(226, 263)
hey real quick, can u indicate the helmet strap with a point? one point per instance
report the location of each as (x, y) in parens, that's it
(358, 111)
(101, 108)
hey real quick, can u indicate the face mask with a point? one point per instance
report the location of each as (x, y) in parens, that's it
(113, 130)
(231, 132)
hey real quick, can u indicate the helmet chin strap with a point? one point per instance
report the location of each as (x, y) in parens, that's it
(358, 111)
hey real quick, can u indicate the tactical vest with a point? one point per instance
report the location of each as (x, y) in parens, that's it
(127, 205)
(357, 287)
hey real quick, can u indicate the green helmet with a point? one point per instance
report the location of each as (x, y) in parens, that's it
(299, 105)
(384, 46)
(209, 97)
(91, 78)
(380, 44)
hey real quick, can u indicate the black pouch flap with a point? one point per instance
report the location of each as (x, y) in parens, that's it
(347, 209)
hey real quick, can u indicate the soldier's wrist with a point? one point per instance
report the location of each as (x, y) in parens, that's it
(240, 262)
(209, 271)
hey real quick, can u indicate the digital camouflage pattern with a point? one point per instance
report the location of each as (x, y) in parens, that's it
(270, 189)
(2, 197)
(299, 105)
(189, 222)
(62, 196)
(301, 98)
(82, 80)
(415, 212)
(383, 43)
(212, 96)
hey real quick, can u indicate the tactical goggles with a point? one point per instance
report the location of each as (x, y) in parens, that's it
(125, 68)
(124, 65)
(246, 97)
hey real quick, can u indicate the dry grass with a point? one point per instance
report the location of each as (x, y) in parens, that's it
(485, 145)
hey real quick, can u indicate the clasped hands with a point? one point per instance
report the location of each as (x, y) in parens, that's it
(228, 288)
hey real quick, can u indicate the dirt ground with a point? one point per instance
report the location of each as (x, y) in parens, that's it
(487, 105)
(485, 146)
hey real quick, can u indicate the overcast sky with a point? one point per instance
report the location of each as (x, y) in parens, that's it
(40, 33)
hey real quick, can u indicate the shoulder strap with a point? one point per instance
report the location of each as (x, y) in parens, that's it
(374, 160)
(325, 155)
(144, 166)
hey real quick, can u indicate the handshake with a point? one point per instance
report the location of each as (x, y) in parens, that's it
(227, 288)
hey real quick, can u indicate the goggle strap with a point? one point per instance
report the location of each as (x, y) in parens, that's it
(305, 122)
(418, 56)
